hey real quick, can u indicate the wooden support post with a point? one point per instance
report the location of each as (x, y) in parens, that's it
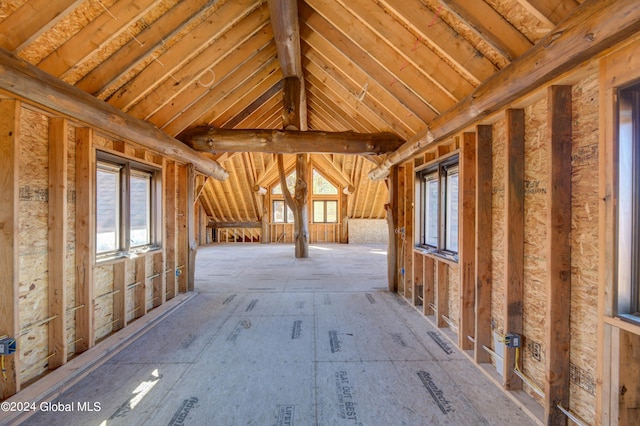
(9, 325)
(120, 295)
(467, 238)
(391, 208)
(429, 286)
(85, 238)
(171, 230)
(344, 215)
(557, 321)
(442, 294)
(484, 238)
(191, 228)
(140, 291)
(57, 241)
(514, 232)
(401, 211)
(182, 229)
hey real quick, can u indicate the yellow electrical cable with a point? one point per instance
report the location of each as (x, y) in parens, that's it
(4, 372)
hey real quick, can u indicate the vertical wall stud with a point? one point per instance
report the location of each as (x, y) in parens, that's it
(557, 321)
(467, 226)
(171, 230)
(191, 228)
(514, 231)
(57, 241)
(484, 175)
(85, 238)
(9, 138)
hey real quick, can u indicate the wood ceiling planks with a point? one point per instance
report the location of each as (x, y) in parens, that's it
(369, 66)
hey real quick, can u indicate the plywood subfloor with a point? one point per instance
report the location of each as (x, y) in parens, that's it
(274, 340)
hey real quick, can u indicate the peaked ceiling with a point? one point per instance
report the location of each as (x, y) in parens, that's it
(369, 66)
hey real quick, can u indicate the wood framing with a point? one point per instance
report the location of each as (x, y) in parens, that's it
(514, 232)
(119, 295)
(57, 241)
(557, 321)
(182, 225)
(85, 238)
(566, 47)
(9, 325)
(28, 82)
(442, 294)
(483, 238)
(171, 223)
(467, 238)
(140, 289)
(207, 139)
(191, 227)
(391, 207)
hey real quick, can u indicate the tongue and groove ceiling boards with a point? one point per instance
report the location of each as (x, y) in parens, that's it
(369, 66)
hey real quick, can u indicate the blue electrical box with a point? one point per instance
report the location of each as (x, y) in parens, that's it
(512, 340)
(7, 346)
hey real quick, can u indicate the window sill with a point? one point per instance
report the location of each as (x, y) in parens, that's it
(122, 256)
(438, 255)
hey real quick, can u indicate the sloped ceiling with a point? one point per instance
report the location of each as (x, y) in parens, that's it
(369, 66)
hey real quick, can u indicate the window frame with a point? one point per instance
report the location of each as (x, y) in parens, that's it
(324, 210)
(440, 174)
(126, 169)
(627, 210)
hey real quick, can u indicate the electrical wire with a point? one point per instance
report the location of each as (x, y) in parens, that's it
(4, 371)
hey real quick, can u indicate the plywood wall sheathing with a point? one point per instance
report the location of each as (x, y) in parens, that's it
(584, 246)
(497, 229)
(33, 238)
(103, 282)
(535, 241)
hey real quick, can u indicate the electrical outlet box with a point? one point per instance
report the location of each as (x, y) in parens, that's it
(512, 340)
(7, 346)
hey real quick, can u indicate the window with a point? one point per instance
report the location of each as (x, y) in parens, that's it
(437, 189)
(628, 220)
(325, 211)
(321, 186)
(127, 206)
(281, 212)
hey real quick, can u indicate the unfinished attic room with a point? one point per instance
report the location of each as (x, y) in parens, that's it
(320, 212)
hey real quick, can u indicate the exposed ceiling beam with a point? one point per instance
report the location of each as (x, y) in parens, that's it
(491, 26)
(577, 39)
(25, 81)
(286, 32)
(209, 139)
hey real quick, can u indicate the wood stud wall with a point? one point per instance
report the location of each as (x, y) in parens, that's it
(436, 279)
(85, 299)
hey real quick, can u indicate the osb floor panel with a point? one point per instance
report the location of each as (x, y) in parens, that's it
(274, 340)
